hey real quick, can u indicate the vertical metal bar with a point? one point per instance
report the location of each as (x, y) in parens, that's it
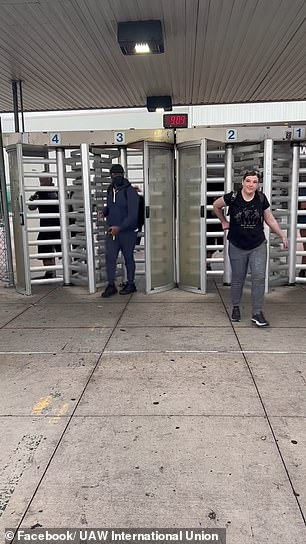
(177, 215)
(6, 218)
(123, 159)
(124, 164)
(228, 186)
(88, 218)
(203, 202)
(293, 211)
(63, 213)
(21, 104)
(24, 227)
(267, 188)
(146, 151)
(15, 105)
(173, 181)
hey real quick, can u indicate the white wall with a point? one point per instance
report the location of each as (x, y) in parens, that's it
(121, 119)
(140, 118)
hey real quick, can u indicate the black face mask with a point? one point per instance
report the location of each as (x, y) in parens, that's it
(118, 181)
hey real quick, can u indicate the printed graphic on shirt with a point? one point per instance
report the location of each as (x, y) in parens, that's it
(247, 218)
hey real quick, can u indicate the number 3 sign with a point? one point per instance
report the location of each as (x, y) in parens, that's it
(119, 137)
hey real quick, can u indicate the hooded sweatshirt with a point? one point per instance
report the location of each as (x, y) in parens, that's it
(122, 205)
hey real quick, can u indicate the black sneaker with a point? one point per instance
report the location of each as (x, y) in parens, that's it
(236, 314)
(109, 291)
(260, 320)
(128, 289)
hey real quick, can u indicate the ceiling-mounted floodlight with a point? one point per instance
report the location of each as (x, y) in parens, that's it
(139, 37)
(159, 103)
(142, 48)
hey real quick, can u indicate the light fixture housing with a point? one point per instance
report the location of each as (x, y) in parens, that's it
(162, 103)
(147, 34)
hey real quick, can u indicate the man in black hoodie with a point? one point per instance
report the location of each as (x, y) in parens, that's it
(121, 214)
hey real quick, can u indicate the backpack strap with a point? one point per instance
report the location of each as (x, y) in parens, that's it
(233, 197)
(261, 197)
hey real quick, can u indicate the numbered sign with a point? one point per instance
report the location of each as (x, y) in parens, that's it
(298, 133)
(119, 138)
(54, 138)
(231, 134)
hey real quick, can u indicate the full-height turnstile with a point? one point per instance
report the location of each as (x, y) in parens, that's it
(183, 242)
(80, 177)
(297, 247)
(27, 164)
(202, 176)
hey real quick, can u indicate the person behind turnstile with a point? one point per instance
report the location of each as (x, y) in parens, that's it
(141, 215)
(47, 222)
(302, 220)
(248, 209)
(121, 214)
(210, 227)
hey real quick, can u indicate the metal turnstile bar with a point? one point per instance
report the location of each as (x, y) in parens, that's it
(45, 255)
(43, 229)
(38, 160)
(44, 268)
(40, 175)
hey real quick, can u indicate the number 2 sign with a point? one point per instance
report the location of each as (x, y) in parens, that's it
(231, 134)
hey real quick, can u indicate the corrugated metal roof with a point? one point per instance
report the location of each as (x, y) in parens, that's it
(216, 51)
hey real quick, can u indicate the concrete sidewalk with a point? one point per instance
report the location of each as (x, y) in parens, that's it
(153, 411)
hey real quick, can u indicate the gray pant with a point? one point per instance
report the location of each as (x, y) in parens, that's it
(126, 242)
(241, 260)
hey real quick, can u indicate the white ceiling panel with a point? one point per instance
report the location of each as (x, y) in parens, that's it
(216, 51)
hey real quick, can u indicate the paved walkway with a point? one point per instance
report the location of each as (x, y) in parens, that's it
(153, 411)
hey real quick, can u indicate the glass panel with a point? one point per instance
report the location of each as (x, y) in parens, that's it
(161, 216)
(189, 216)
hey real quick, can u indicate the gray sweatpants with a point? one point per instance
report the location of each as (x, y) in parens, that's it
(241, 260)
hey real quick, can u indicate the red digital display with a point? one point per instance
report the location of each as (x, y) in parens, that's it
(175, 120)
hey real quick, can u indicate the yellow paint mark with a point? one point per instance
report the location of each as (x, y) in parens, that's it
(41, 405)
(61, 412)
(63, 409)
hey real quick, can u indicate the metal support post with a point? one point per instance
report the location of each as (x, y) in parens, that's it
(17, 86)
(227, 188)
(267, 188)
(88, 218)
(21, 104)
(63, 213)
(15, 105)
(293, 211)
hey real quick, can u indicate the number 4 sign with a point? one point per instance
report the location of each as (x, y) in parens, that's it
(54, 138)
